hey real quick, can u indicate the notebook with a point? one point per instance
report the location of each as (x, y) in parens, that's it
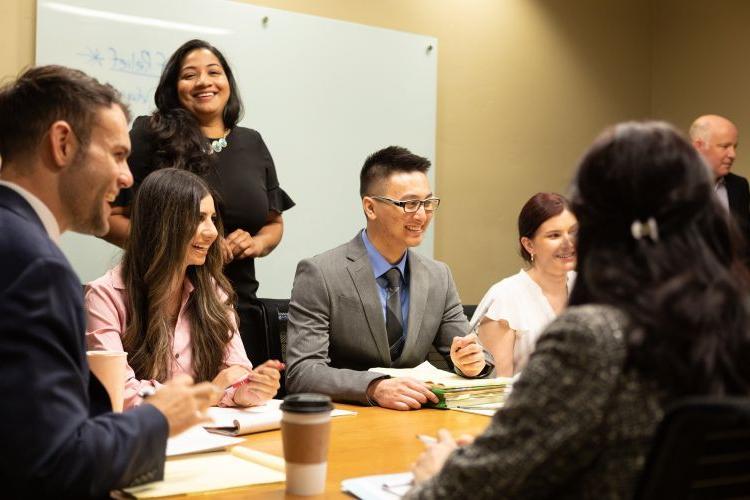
(236, 468)
(240, 421)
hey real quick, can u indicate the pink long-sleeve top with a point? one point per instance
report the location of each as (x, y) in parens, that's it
(107, 317)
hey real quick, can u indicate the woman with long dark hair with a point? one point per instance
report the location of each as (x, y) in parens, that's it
(195, 127)
(514, 311)
(168, 305)
(658, 312)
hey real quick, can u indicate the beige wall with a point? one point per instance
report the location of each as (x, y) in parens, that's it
(17, 29)
(699, 64)
(523, 87)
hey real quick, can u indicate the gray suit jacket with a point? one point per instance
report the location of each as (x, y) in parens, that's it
(336, 328)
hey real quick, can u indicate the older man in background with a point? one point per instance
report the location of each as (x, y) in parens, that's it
(715, 138)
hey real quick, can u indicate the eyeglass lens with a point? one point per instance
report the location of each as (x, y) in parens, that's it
(430, 204)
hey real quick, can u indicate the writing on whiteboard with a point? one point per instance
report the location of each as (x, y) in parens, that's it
(144, 62)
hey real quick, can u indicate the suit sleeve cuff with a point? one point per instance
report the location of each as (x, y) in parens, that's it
(371, 401)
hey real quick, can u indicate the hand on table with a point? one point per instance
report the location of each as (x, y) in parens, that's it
(467, 354)
(183, 403)
(401, 393)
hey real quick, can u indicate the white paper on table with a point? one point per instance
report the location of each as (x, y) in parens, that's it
(196, 439)
(380, 487)
(206, 472)
(477, 411)
(240, 421)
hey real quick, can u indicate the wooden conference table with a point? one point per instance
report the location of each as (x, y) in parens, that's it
(375, 441)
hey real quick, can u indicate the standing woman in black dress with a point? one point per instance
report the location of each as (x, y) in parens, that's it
(195, 128)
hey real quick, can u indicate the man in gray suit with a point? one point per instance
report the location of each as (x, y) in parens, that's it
(373, 302)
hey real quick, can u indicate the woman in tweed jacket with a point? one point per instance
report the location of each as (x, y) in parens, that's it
(657, 312)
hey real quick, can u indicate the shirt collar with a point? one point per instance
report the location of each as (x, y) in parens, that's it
(378, 263)
(42, 211)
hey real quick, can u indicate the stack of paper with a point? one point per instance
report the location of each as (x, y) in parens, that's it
(453, 390)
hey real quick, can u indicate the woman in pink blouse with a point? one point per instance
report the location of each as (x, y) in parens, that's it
(168, 304)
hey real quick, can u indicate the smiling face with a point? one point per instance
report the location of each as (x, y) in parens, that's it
(202, 85)
(389, 228)
(205, 234)
(98, 172)
(553, 244)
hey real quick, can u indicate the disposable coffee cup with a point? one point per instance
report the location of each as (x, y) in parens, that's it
(109, 368)
(306, 431)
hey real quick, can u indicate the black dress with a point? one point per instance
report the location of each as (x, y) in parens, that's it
(243, 178)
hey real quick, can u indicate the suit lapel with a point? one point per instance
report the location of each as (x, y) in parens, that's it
(419, 285)
(360, 271)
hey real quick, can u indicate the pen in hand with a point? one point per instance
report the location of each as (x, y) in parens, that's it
(426, 440)
(244, 380)
(249, 377)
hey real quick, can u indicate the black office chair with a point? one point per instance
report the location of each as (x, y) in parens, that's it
(276, 313)
(253, 331)
(469, 310)
(701, 451)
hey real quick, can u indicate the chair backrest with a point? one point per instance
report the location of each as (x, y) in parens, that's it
(701, 450)
(276, 313)
(469, 310)
(253, 330)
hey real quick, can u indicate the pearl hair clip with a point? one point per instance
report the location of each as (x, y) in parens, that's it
(649, 228)
(219, 144)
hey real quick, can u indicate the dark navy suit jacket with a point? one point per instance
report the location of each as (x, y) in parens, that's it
(58, 437)
(738, 193)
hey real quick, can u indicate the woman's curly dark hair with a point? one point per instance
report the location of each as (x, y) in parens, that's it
(177, 136)
(684, 291)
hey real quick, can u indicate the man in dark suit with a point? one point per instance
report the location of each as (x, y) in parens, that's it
(374, 302)
(64, 144)
(715, 138)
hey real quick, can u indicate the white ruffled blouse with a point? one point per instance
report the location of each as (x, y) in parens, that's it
(519, 301)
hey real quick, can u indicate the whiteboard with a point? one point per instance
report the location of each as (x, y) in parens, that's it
(324, 95)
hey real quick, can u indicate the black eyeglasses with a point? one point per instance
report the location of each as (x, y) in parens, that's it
(411, 206)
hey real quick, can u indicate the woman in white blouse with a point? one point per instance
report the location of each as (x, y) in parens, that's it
(514, 311)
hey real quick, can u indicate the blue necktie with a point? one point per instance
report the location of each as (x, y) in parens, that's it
(394, 325)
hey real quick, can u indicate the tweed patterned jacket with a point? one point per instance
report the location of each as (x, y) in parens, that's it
(577, 425)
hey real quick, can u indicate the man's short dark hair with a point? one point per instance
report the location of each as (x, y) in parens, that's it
(44, 95)
(382, 164)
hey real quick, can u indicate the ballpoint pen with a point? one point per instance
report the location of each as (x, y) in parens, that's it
(427, 440)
